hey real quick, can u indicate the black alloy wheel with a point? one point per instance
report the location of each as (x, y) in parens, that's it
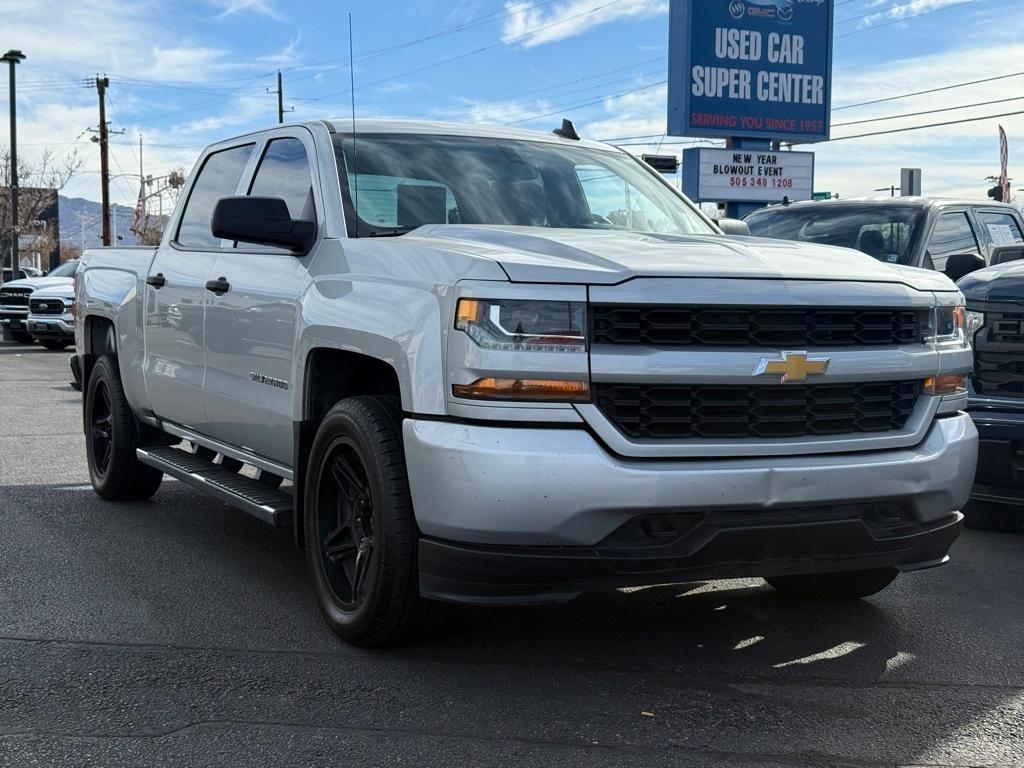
(101, 424)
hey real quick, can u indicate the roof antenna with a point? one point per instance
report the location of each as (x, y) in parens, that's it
(567, 131)
(352, 90)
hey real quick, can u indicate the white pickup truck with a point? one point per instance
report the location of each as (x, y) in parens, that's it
(494, 366)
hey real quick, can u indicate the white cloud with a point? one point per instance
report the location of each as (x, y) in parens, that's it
(259, 7)
(903, 10)
(528, 26)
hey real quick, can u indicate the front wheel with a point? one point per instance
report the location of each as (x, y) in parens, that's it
(845, 585)
(111, 439)
(360, 534)
(993, 516)
(21, 337)
(55, 345)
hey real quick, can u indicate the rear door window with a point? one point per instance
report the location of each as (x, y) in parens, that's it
(1003, 228)
(952, 234)
(284, 173)
(218, 178)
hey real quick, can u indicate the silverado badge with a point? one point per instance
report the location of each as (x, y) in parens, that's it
(793, 367)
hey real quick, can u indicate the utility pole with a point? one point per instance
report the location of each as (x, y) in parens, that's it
(102, 83)
(280, 98)
(12, 57)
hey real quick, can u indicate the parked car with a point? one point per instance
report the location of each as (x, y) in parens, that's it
(51, 319)
(995, 322)
(467, 372)
(16, 294)
(951, 236)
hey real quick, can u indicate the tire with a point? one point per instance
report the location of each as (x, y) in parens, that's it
(360, 533)
(21, 337)
(993, 516)
(54, 345)
(111, 438)
(845, 585)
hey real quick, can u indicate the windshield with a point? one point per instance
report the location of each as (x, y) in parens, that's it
(67, 269)
(396, 183)
(886, 232)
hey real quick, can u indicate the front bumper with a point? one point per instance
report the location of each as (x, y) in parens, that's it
(51, 327)
(525, 514)
(1000, 424)
(13, 320)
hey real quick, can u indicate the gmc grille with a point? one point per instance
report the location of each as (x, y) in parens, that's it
(671, 411)
(46, 307)
(754, 327)
(999, 374)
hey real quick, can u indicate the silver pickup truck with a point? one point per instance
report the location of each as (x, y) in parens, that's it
(493, 366)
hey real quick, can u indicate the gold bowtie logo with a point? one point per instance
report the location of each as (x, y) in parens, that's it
(793, 367)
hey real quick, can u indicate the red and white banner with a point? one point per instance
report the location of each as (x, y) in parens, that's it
(1004, 157)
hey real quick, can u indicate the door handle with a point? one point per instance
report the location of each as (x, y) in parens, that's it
(218, 286)
(157, 281)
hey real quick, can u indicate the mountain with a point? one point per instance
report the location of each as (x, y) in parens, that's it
(81, 222)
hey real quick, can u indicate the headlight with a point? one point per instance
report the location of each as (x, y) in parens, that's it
(515, 325)
(947, 326)
(973, 322)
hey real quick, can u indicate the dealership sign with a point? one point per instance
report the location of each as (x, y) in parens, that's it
(750, 69)
(749, 176)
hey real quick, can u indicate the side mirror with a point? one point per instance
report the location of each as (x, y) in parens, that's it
(1004, 253)
(262, 220)
(734, 227)
(960, 264)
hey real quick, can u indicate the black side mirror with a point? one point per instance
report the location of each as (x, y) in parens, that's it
(1004, 253)
(960, 264)
(734, 227)
(262, 220)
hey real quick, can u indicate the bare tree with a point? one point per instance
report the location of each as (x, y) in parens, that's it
(39, 183)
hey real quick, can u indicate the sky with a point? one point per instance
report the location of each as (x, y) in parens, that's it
(188, 73)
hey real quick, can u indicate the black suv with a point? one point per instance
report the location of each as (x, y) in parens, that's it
(951, 236)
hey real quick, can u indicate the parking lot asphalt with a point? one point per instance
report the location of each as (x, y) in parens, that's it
(179, 632)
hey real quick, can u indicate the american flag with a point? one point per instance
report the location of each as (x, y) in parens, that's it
(1004, 156)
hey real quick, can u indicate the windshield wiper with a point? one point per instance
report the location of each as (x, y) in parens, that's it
(395, 232)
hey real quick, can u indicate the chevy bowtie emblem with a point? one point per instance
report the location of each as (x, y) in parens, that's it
(793, 367)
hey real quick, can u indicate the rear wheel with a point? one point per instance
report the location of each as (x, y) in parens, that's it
(359, 532)
(993, 516)
(846, 585)
(111, 438)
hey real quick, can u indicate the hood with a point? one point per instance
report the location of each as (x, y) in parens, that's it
(38, 283)
(546, 255)
(66, 290)
(1003, 283)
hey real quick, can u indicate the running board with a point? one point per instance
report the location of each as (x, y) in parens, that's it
(268, 504)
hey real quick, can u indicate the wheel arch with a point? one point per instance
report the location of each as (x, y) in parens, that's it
(330, 374)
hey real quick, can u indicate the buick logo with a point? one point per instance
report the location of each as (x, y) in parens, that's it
(737, 8)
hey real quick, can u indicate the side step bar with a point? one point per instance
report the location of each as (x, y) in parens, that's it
(268, 504)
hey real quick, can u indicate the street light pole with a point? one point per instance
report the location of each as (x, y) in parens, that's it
(12, 57)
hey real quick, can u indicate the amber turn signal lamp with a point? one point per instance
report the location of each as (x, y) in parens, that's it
(947, 384)
(467, 311)
(524, 389)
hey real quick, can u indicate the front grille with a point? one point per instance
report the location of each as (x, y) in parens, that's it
(998, 374)
(676, 411)
(14, 297)
(754, 327)
(1006, 328)
(47, 307)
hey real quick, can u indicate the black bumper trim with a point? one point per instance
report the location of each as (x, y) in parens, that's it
(468, 573)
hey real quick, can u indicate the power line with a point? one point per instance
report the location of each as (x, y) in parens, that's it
(929, 90)
(466, 54)
(588, 103)
(928, 111)
(928, 125)
(904, 18)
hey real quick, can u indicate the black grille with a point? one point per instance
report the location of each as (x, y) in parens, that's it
(46, 307)
(754, 327)
(671, 411)
(1006, 328)
(999, 374)
(15, 297)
